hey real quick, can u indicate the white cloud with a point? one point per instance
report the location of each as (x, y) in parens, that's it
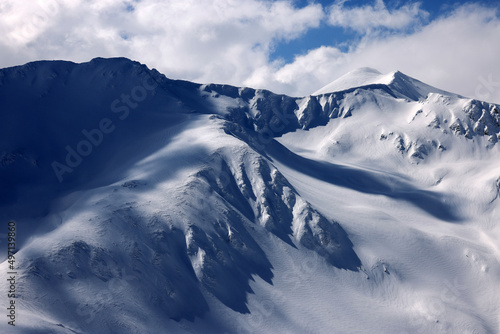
(368, 17)
(202, 40)
(304, 75)
(229, 41)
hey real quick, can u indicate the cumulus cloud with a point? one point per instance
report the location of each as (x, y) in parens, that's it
(369, 17)
(208, 40)
(305, 75)
(230, 41)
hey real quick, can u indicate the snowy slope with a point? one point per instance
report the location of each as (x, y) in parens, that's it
(149, 205)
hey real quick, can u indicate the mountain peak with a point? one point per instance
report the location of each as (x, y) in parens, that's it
(402, 85)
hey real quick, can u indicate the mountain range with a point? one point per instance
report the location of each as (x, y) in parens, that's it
(149, 205)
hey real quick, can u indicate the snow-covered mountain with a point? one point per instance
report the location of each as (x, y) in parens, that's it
(149, 205)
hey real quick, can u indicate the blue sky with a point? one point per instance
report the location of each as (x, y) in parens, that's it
(288, 46)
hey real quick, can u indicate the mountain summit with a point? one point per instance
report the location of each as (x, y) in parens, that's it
(149, 205)
(400, 84)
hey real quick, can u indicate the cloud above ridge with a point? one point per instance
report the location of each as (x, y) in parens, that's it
(231, 41)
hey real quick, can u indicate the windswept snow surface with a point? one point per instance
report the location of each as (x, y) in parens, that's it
(148, 205)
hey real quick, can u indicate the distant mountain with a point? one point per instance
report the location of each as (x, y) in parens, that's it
(150, 205)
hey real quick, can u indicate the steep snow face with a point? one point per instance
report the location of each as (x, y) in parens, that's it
(151, 205)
